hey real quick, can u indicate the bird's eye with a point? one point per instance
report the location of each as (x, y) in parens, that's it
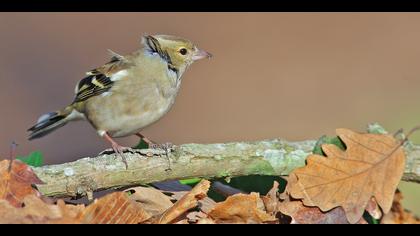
(183, 51)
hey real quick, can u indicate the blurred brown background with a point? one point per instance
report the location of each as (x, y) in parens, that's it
(289, 75)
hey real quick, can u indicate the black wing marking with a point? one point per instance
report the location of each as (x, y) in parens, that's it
(92, 85)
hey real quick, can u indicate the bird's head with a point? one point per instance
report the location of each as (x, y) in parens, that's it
(177, 51)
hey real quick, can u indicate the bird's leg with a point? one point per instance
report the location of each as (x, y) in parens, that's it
(118, 149)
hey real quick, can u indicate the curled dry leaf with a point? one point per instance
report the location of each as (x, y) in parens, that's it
(271, 200)
(241, 208)
(205, 204)
(153, 201)
(37, 211)
(114, 208)
(188, 201)
(16, 182)
(371, 166)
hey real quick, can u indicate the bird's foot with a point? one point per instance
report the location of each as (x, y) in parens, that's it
(117, 149)
(168, 147)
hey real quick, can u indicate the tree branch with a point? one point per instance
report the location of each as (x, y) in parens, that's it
(268, 157)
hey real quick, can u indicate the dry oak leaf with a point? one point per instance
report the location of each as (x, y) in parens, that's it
(241, 208)
(371, 166)
(16, 180)
(302, 214)
(114, 208)
(36, 211)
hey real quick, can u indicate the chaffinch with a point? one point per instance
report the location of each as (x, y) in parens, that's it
(129, 92)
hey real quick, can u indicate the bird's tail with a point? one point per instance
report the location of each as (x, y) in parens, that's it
(51, 121)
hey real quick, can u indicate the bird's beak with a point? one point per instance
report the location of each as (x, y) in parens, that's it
(201, 54)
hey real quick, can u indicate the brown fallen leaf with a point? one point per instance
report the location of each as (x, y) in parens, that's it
(241, 208)
(291, 181)
(176, 195)
(205, 204)
(114, 208)
(371, 166)
(150, 199)
(271, 200)
(302, 214)
(203, 207)
(188, 201)
(36, 211)
(16, 179)
(399, 215)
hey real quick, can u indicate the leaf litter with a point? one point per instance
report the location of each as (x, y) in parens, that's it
(333, 189)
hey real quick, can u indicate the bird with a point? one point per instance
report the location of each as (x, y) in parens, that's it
(128, 93)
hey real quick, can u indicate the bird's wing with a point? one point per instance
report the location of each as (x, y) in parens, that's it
(101, 79)
(116, 64)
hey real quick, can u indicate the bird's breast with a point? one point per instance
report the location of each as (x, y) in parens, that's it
(128, 108)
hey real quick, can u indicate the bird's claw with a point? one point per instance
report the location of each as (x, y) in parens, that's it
(119, 150)
(168, 147)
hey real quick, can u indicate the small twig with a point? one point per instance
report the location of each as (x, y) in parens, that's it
(416, 128)
(224, 190)
(398, 132)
